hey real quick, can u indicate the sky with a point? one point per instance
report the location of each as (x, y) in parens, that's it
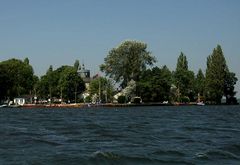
(58, 32)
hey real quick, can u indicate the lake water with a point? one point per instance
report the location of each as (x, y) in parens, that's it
(135, 135)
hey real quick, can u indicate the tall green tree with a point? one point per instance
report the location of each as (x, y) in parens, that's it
(216, 73)
(76, 64)
(184, 78)
(52, 82)
(26, 61)
(182, 63)
(200, 83)
(127, 61)
(230, 81)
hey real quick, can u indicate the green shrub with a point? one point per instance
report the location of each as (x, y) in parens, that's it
(121, 99)
(88, 99)
(185, 99)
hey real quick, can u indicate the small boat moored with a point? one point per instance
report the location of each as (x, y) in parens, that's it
(200, 103)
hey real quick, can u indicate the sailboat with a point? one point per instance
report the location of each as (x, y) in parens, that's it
(199, 102)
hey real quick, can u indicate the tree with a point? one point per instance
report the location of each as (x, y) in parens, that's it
(103, 88)
(216, 74)
(36, 81)
(53, 77)
(127, 61)
(165, 83)
(130, 91)
(200, 83)
(182, 63)
(42, 88)
(230, 81)
(5, 83)
(51, 80)
(18, 77)
(183, 78)
(144, 86)
(76, 64)
(155, 84)
(70, 84)
(26, 61)
(64, 83)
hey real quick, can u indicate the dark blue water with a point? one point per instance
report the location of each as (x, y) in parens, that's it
(136, 135)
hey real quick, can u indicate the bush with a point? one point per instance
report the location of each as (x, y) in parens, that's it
(88, 99)
(121, 99)
(185, 99)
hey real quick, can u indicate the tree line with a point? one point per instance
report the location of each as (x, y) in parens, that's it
(17, 79)
(128, 62)
(132, 61)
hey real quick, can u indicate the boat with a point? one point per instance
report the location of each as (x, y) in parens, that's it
(199, 100)
(3, 106)
(200, 103)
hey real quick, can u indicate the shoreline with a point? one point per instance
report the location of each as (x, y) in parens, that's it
(85, 105)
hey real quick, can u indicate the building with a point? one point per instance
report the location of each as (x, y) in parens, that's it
(26, 99)
(84, 74)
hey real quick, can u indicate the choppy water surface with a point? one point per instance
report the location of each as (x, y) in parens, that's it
(136, 135)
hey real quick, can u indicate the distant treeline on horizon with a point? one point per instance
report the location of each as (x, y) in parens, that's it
(127, 63)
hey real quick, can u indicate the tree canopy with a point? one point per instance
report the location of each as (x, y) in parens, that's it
(200, 83)
(216, 73)
(17, 78)
(64, 83)
(155, 84)
(130, 65)
(184, 78)
(127, 61)
(229, 83)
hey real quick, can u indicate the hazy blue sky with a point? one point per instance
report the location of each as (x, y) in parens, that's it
(57, 32)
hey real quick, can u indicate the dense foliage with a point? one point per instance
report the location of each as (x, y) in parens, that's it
(155, 84)
(184, 79)
(64, 83)
(219, 80)
(200, 83)
(230, 81)
(16, 78)
(127, 65)
(127, 61)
